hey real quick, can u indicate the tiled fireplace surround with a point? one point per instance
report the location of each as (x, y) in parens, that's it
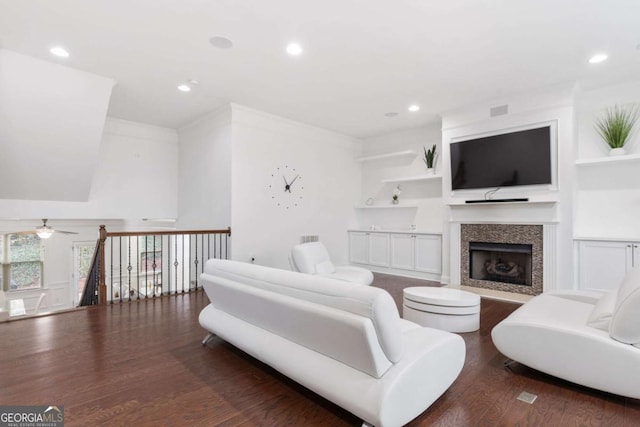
(518, 223)
(503, 233)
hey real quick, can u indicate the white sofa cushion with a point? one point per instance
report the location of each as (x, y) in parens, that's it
(325, 267)
(357, 275)
(602, 312)
(625, 323)
(308, 255)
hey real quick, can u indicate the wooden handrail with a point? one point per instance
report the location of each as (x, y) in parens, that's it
(165, 233)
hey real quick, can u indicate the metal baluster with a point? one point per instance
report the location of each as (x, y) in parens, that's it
(215, 237)
(183, 263)
(226, 246)
(137, 268)
(120, 267)
(111, 268)
(195, 250)
(129, 267)
(146, 270)
(168, 260)
(175, 263)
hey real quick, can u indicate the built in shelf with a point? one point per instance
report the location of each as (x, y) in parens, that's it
(405, 153)
(612, 159)
(400, 206)
(412, 178)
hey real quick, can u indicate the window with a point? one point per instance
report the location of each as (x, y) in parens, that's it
(21, 260)
(150, 248)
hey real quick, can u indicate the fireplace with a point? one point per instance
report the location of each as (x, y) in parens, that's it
(500, 262)
(502, 257)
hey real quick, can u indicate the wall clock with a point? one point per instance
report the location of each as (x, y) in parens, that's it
(286, 187)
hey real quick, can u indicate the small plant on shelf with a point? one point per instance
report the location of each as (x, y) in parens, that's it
(616, 126)
(429, 157)
(396, 193)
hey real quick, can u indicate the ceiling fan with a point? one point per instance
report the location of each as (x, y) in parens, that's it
(44, 231)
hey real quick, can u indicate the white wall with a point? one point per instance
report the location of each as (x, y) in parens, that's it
(136, 177)
(204, 182)
(427, 195)
(51, 122)
(329, 174)
(608, 195)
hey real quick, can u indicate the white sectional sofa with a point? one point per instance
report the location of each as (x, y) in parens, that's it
(586, 337)
(346, 342)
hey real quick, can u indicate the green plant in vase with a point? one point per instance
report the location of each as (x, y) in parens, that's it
(429, 158)
(616, 127)
(396, 194)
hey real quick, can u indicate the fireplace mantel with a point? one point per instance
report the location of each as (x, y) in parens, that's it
(537, 212)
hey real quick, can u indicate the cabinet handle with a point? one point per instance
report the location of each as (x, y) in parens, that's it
(629, 246)
(635, 246)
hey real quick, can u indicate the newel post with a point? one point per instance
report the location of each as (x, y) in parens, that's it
(102, 285)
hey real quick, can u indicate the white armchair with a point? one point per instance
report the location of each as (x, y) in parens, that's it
(588, 338)
(313, 258)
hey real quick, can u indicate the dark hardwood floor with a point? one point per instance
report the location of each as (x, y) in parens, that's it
(141, 363)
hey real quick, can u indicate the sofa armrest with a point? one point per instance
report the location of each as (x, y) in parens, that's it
(589, 297)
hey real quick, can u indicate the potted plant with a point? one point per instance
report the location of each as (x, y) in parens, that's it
(429, 158)
(616, 126)
(396, 192)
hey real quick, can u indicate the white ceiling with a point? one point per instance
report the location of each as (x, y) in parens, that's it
(362, 59)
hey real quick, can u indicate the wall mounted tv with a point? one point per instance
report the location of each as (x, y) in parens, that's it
(509, 159)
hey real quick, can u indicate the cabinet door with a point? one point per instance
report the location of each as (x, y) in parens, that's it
(428, 253)
(603, 265)
(402, 251)
(359, 247)
(379, 249)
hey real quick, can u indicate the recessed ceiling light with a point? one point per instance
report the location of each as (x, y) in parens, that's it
(59, 51)
(294, 49)
(184, 88)
(391, 114)
(221, 42)
(598, 58)
(413, 108)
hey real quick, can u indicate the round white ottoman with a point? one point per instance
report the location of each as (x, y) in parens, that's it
(448, 309)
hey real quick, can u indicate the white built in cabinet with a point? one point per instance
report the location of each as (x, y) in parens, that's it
(602, 264)
(369, 248)
(405, 253)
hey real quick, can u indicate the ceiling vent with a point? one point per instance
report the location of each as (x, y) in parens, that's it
(500, 110)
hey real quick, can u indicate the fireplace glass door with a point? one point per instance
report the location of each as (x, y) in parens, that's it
(500, 262)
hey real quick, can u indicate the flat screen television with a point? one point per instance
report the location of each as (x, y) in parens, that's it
(505, 160)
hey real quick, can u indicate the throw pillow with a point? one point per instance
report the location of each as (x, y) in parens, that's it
(325, 267)
(625, 323)
(602, 313)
